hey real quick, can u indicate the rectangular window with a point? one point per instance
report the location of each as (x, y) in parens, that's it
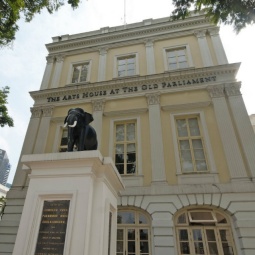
(125, 147)
(176, 58)
(191, 147)
(126, 66)
(80, 73)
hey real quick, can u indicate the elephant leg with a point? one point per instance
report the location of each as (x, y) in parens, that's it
(71, 140)
(81, 139)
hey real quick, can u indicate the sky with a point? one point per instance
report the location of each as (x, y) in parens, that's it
(22, 66)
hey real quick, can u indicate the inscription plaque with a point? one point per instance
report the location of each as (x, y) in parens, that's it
(52, 231)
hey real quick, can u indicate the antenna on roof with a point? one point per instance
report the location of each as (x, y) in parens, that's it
(125, 14)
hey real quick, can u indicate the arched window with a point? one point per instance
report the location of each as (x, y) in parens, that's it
(133, 233)
(203, 231)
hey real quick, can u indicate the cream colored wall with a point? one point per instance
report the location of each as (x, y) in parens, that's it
(212, 51)
(182, 98)
(159, 52)
(112, 53)
(69, 60)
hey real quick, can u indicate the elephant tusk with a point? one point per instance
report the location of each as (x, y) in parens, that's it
(65, 124)
(74, 124)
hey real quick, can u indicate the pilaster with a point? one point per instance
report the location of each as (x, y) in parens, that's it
(98, 109)
(227, 133)
(242, 123)
(57, 71)
(42, 134)
(28, 145)
(157, 151)
(217, 45)
(102, 64)
(204, 48)
(150, 59)
(47, 72)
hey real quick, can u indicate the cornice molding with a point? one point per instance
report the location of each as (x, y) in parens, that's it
(188, 79)
(99, 39)
(185, 106)
(125, 112)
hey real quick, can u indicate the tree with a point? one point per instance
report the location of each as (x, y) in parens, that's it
(5, 119)
(2, 206)
(238, 13)
(12, 10)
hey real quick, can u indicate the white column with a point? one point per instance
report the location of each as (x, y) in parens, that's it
(42, 134)
(227, 133)
(102, 64)
(242, 123)
(204, 48)
(98, 109)
(217, 45)
(150, 60)
(57, 72)
(47, 72)
(157, 150)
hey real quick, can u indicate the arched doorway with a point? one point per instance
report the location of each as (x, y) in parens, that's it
(133, 232)
(204, 231)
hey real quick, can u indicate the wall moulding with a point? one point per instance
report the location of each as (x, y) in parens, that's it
(138, 86)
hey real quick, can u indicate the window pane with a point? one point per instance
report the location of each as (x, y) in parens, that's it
(201, 165)
(181, 53)
(131, 234)
(172, 60)
(131, 60)
(187, 166)
(131, 168)
(184, 145)
(213, 249)
(182, 128)
(76, 72)
(119, 246)
(144, 247)
(202, 216)
(184, 247)
(131, 247)
(183, 235)
(221, 219)
(143, 234)
(119, 149)
(172, 66)
(199, 248)
(181, 59)
(183, 64)
(119, 158)
(197, 144)
(182, 218)
(193, 127)
(197, 234)
(120, 132)
(210, 235)
(131, 132)
(130, 72)
(171, 54)
(131, 147)
(126, 218)
(120, 234)
(120, 168)
(142, 219)
(121, 62)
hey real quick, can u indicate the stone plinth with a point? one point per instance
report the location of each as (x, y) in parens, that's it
(82, 188)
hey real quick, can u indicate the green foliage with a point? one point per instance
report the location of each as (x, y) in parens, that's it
(11, 11)
(5, 119)
(238, 13)
(2, 206)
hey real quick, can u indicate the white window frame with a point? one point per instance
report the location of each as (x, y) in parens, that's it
(208, 177)
(133, 179)
(115, 65)
(70, 72)
(176, 47)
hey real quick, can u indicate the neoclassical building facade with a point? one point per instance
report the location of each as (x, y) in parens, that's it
(168, 109)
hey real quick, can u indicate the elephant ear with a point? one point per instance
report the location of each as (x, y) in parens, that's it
(88, 118)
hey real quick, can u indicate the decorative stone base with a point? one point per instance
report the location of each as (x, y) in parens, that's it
(71, 204)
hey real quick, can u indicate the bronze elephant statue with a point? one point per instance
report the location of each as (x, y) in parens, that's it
(80, 133)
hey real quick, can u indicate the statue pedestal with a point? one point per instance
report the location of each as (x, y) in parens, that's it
(71, 205)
